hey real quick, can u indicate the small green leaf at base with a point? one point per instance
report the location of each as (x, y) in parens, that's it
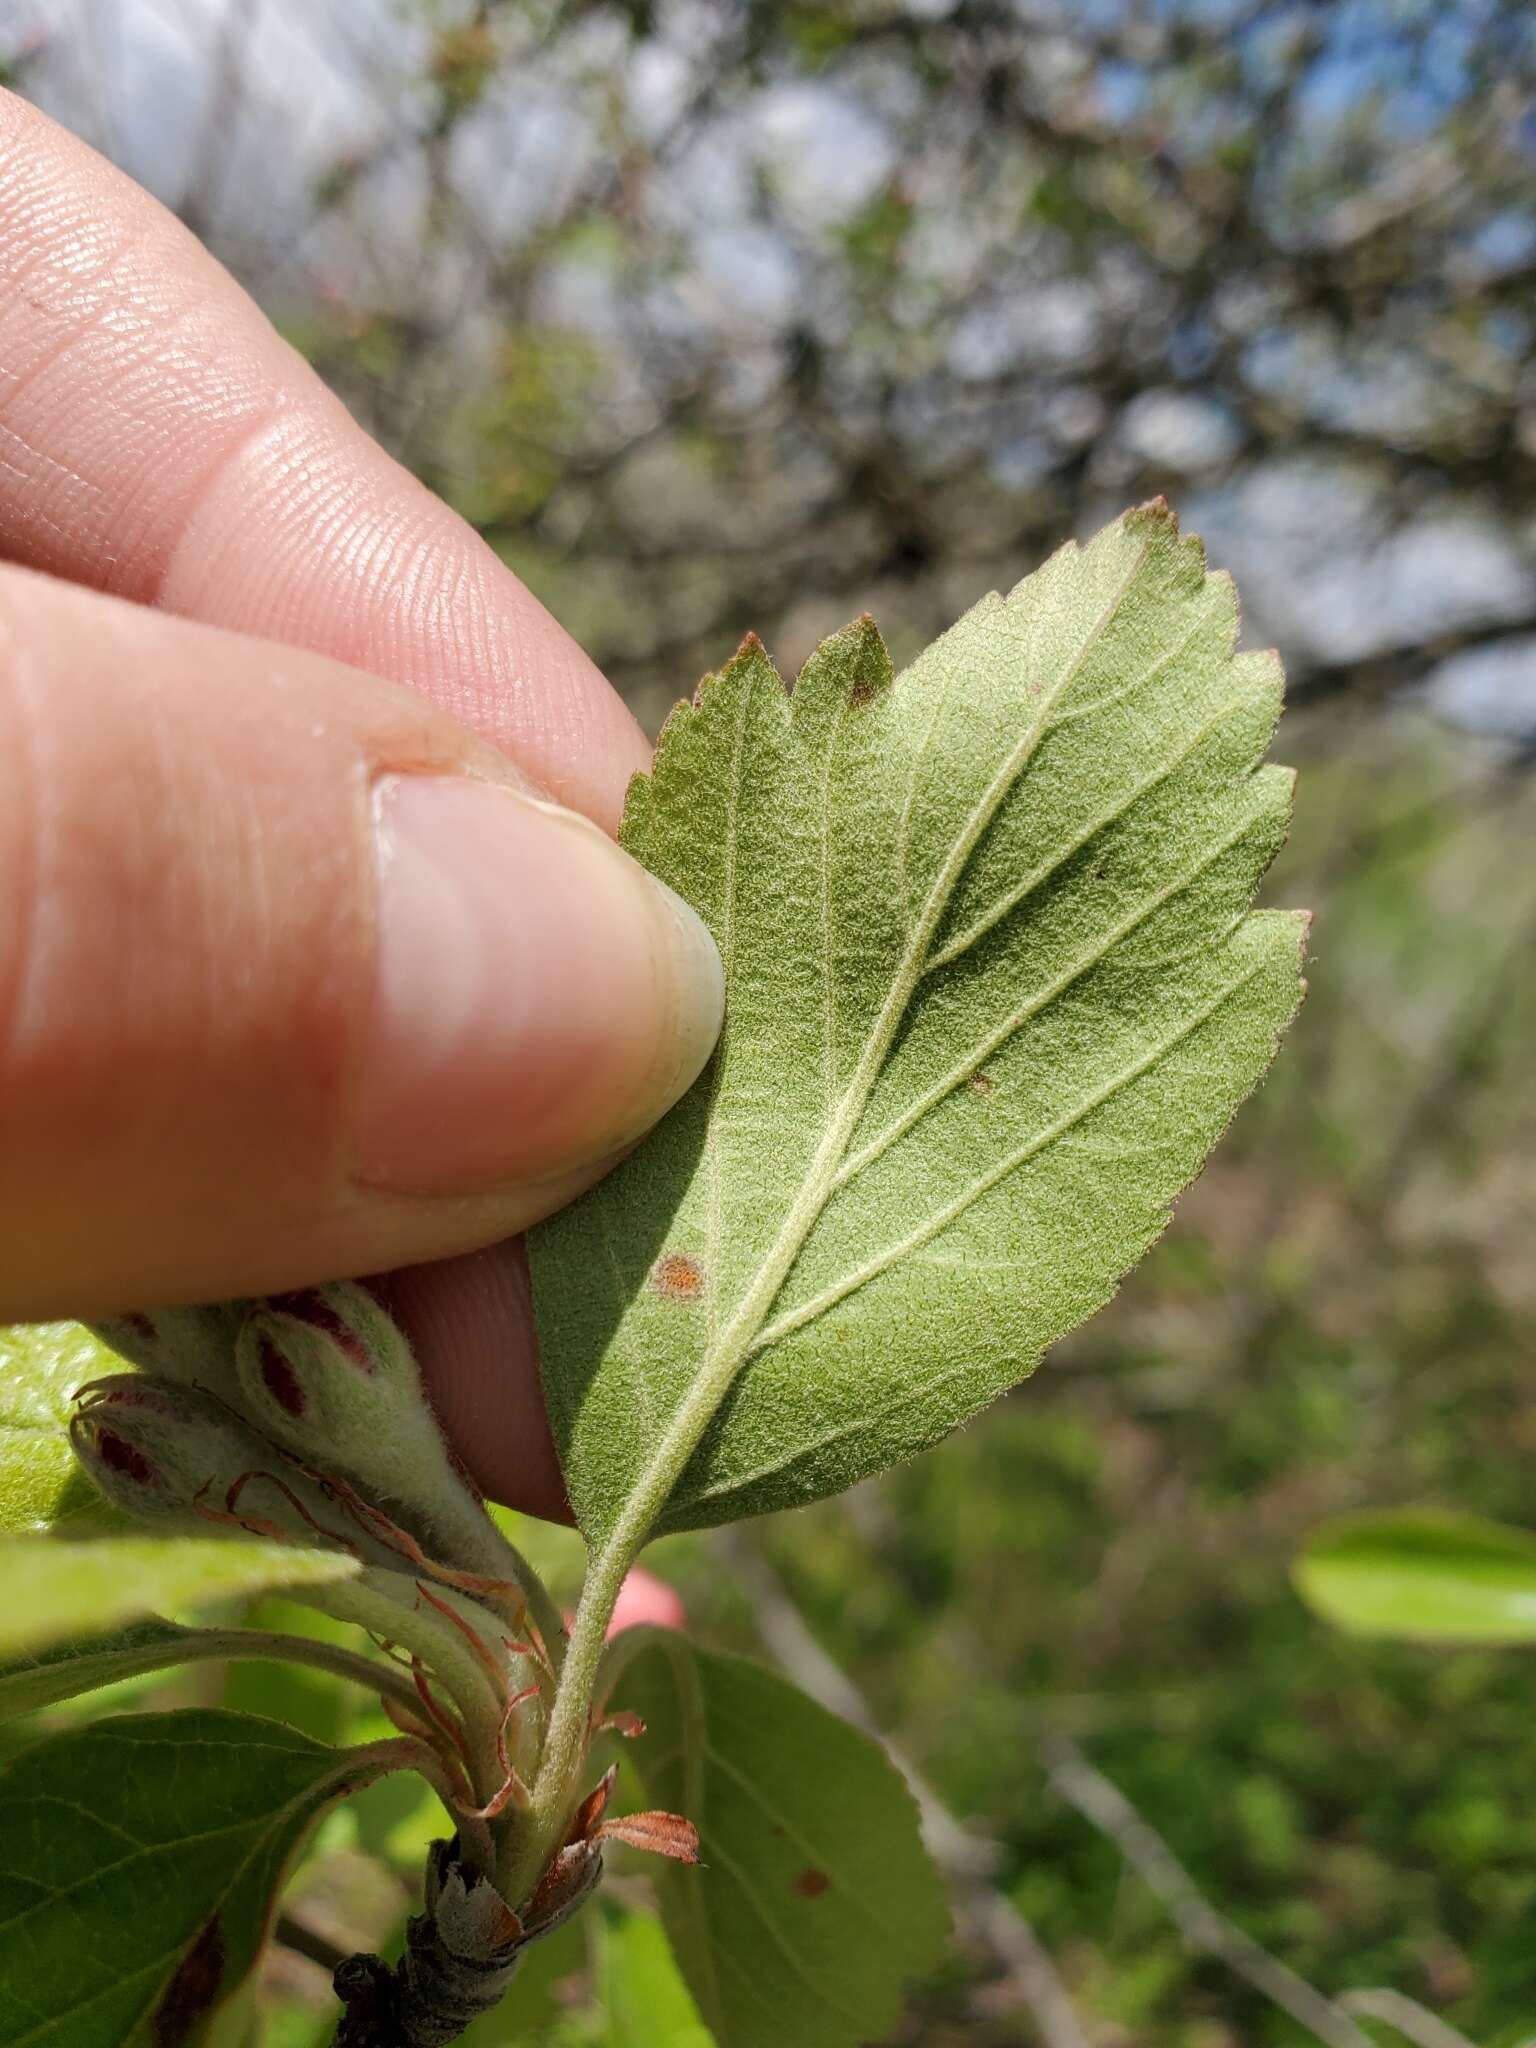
(813, 1899)
(139, 1861)
(57, 1590)
(1422, 1576)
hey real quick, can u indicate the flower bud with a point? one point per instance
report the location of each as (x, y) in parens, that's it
(329, 1375)
(175, 1453)
(194, 1345)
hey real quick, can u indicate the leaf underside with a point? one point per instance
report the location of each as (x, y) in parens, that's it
(993, 991)
(139, 1859)
(813, 1900)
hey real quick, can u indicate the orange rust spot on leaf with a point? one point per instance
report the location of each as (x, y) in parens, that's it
(192, 1992)
(678, 1276)
(811, 1883)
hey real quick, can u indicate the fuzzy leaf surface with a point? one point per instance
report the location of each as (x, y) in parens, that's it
(993, 991)
(139, 1859)
(813, 1899)
(1422, 1576)
(57, 1590)
(41, 1365)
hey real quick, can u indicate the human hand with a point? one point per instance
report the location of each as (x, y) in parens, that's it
(302, 974)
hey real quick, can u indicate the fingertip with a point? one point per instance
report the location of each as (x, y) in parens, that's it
(540, 1000)
(470, 1322)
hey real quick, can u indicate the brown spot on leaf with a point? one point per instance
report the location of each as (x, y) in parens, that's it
(678, 1276)
(280, 1379)
(118, 1455)
(811, 1883)
(982, 1084)
(192, 1992)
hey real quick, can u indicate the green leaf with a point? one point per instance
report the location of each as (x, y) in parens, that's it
(41, 1365)
(813, 1898)
(58, 1590)
(645, 2003)
(1423, 1577)
(139, 1859)
(63, 1671)
(991, 997)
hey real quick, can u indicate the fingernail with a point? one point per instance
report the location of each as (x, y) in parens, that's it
(540, 999)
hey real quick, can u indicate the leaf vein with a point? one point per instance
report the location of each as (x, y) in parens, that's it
(941, 1219)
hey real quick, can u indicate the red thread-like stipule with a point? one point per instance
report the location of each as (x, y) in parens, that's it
(498, 1676)
(330, 1535)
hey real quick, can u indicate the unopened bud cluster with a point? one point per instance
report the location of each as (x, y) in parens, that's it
(294, 1404)
(302, 1419)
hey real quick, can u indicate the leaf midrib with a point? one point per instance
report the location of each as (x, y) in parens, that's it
(1041, 1001)
(939, 1221)
(1006, 904)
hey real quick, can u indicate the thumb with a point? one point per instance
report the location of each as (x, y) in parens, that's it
(297, 979)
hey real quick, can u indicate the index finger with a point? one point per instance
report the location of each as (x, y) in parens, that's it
(158, 439)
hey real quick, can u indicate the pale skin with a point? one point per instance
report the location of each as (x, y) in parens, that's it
(309, 966)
